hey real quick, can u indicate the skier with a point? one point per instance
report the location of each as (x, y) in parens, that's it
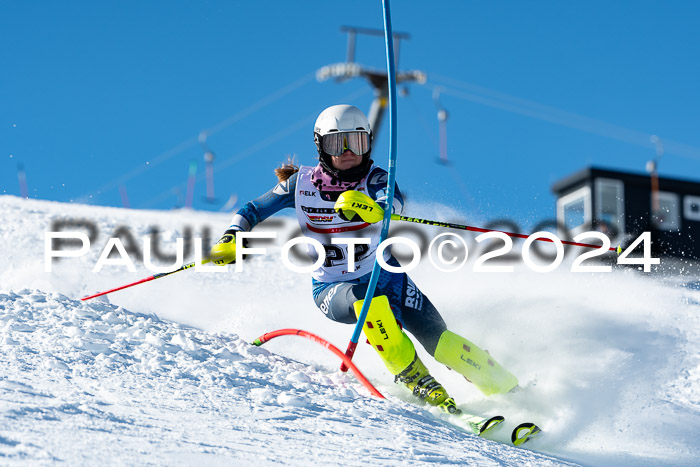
(344, 197)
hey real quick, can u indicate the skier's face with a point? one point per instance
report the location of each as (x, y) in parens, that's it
(346, 160)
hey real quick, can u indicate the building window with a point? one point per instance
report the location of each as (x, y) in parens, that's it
(691, 208)
(574, 210)
(668, 215)
(610, 204)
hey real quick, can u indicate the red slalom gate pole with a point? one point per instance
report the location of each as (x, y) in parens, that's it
(397, 217)
(147, 279)
(319, 340)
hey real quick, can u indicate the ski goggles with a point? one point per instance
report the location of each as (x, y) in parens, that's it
(336, 144)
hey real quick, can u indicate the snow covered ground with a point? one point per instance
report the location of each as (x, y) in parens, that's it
(163, 373)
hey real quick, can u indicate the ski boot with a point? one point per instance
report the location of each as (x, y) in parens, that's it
(418, 380)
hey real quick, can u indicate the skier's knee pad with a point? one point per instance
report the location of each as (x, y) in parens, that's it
(384, 334)
(474, 364)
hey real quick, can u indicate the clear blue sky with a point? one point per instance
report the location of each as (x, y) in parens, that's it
(98, 95)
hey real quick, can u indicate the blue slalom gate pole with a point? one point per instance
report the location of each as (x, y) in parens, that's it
(391, 74)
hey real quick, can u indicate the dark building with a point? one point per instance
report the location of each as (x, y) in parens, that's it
(624, 205)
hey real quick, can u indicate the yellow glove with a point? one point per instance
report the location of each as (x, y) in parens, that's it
(224, 252)
(351, 203)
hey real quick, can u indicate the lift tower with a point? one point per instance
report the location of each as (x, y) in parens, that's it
(377, 78)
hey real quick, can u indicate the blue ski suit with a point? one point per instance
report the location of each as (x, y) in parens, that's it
(335, 299)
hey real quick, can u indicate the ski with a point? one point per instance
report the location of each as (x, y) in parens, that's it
(482, 425)
(524, 433)
(476, 424)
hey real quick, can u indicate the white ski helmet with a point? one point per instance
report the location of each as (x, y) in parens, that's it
(345, 127)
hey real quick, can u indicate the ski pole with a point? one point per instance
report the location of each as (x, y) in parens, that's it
(149, 278)
(397, 217)
(376, 270)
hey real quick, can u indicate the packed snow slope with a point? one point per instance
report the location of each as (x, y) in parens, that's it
(163, 373)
